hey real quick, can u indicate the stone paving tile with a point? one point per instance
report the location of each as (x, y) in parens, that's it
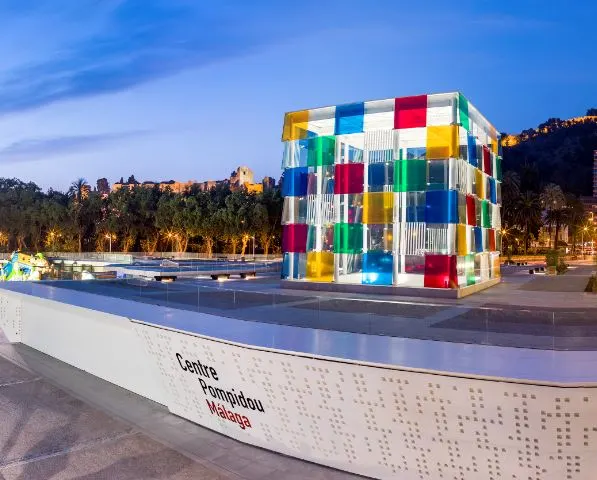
(212, 455)
(134, 457)
(37, 419)
(11, 373)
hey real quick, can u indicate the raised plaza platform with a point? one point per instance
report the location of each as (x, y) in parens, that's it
(387, 388)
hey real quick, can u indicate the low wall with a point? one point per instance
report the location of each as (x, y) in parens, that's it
(383, 421)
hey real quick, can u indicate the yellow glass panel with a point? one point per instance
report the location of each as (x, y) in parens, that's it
(378, 207)
(295, 125)
(442, 142)
(496, 266)
(461, 239)
(320, 266)
(494, 146)
(479, 183)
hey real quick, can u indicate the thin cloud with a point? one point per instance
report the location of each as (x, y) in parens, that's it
(41, 148)
(141, 41)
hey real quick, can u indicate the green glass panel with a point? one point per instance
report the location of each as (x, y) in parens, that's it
(348, 238)
(498, 169)
(321, 151)
(410, 175)
(463, 107)
(469, 269)
(311, 238)
(485, 214)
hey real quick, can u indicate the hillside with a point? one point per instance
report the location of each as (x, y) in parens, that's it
(558, 151)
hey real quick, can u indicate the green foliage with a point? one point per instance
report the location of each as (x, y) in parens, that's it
(141, 219)
(552, 258)
(557, 151)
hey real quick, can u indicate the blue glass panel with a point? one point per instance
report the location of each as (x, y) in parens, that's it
(492, 190)
(441, 206)
(380, 175)
(290, 264)
(478, 239)
(472, 151)
(377, 268)
(349, 118)
(295, 182)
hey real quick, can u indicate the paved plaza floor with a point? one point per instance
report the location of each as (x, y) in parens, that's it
(59, 423)
(533, 311)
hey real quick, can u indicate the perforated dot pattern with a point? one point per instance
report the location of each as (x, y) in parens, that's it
(386, 423)
(11, 316)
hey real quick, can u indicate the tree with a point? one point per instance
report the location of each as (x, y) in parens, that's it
(527, 215)
(552, 200)
(510, 194)
(79, 194)
(575, 218)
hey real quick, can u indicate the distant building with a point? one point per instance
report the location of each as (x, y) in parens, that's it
(103, 187)
(176, 187)
(242, 177)
(268, 183)
(590, 204)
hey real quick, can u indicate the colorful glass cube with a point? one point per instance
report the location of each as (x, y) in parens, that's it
(403, 191)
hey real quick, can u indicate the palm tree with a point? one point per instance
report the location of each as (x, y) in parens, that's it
(510, 193)
(575, 218)
(552, 198)
(79, 192)
(527, 214)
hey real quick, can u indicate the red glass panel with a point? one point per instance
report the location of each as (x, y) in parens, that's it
(487, 161)
(349, 178)
(294, 238)
(440, 271)
(410, 112)
(491, 235)
(471, 217)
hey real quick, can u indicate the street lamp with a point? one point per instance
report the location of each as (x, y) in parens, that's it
(582, 241)
(109, 237)
(253, 237)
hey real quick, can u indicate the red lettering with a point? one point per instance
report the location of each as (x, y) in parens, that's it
(212, 406)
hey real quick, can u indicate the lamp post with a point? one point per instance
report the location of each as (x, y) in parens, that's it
(109, 237)
(582, 241)
(253, 237)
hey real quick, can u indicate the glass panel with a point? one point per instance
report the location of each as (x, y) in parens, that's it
(378, 207)
(295, 125)
(410, 175)
(350, 208)
(348, 237)
(380, 176)
(377, 268)
(379, 237)
(442, 142)
(410, 112)
(349, 118)
(440, 271)
(294, 238)
(441, 206)
(349, 178)
(320, 266)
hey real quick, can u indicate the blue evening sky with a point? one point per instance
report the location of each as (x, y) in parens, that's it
(189, 89)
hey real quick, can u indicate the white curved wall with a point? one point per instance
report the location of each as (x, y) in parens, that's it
(385, 422)
(377, 420)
